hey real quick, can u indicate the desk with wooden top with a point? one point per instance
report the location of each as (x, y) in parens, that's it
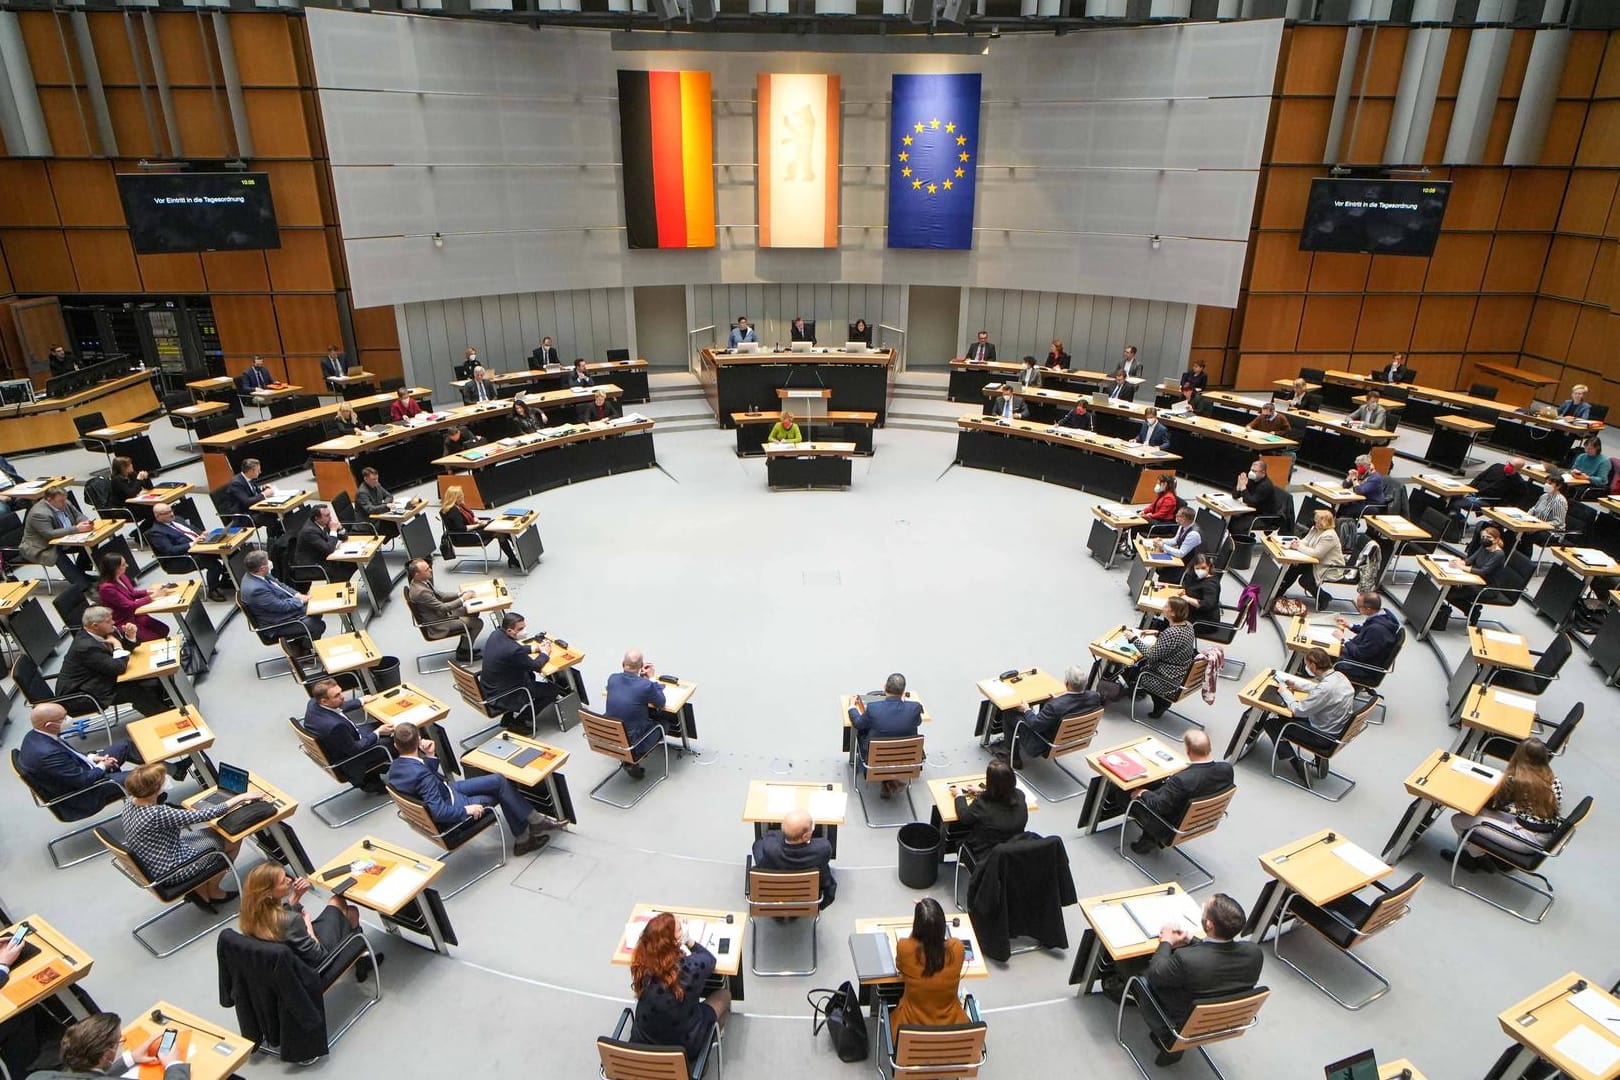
(1321, 868)
(1217, 452)
(1326, 495)
(182, 602)
(103, 532)
(230, 548)
(340, 598)
(899, 926)
(1111, 649)
(1329, 442)
(1491, 712)
(1268, 567)
(211, 1052)
(1110, 524)
(396, 883)
(354, 652)
(1516, 386)
(769, 801)
(177, 493)
(521, 465)
(272, 835)
(1544, 1022)
(409, 703)
(1110, 935)
(23, 622)
(1429, 594)
(49, 973)
(809, 465)
(1262, 696)
(840, 425)
(1213, 518)
(29, 492)
(280, 399)
(522, 528)
(1572, 572)
(846, 702)
(969, 377)
(1400, 535)
(363, 551)
(407, 519)
(1011, 694)
(737, 382)
(1150, 562)
(1604, 650)
(281, 443)
(539, 780)
(1517, 523)
(1442, 781)
(1453, 440)
(1108, 796)
(730, 927)
(178, 733)
(1488, 652)
(49, 421)
(129, 439)
(1306, 634)
(1101, 464)
(942, 793)
(630, 375)
(160, 660)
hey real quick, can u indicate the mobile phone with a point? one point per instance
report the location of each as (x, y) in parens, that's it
(725, 946)
(23, 930)
(333, 875)
(967, 951)
(166, 1044)
(344, 886)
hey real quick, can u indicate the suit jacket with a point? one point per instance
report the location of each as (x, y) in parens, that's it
(314, 544)
(56, 771)
(1030, 377)
(999, 406)
(168, 540)
(887, 718)
(1020, 890)
(772, 852)
(1053, 710)
(268, 601)
(608, 410)
(1158, 436)
(372, 499)
(546, 354)
(254, 378)
(90, 667)
(739, 335)
(242, 493)
(40, 527)
(580, 378)
(469, 391)
(508, 667)
(180, 1070)
(1121, 392)
(1058, 360)
(984, 825)
(628, 700)
(801, 330)
(1201, 969)
(1198, 380)
(1263, 495)
(1374, 416)
(1170, 797)
(439, 612)
(974, 353)
(123, 597)
(1310, 401)
(276, 994)
(1395, 373)
(341, 738)
(334, 367)
(420, 778)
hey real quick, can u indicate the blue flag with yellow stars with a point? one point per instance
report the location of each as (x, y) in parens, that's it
(933, 155)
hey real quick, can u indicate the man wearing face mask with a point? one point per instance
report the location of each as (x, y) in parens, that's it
(1503, 483)
(1365, 480)
(1255, 488)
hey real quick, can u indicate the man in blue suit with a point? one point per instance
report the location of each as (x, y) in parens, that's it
(56, 770)
(171, 536)
(511, 668)
(890, 717)
(455, 804)
(632, 694)
(276, 607)
(1152, 432)
(256, 377)
(352, 744)
(333, 366)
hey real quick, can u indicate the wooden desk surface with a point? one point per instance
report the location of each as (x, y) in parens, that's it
(550, 760)
(1146, 751)
(1542, 1019)
(282, 503)
(1455, 782)
(214, 1054)
(1458, 422)
(1149, 554)
(1587, 562)
(1443, 485)
(1499, 712)
(492, 595)
(166, 492)
(171, 596)
(13, 593)
(371, 867)
(347, 652)
(100, 530)
(808, 795)
(286, 806)
(407, 510)
(518, 446)
(1338, 424)
(200, 409)
(1118, 517)
(357, 549)
(1104, 648)
(1304, 635)
(38, 487)
(835, 416)
(1021, 690)
(945, 790)
(333, 597)
(228, 544)
(728, 964)
(1250, 694)
(1500, 648)
(1516, 520)
(1333, 494)
(1539, 472)
(1396, 527)
(846, 702)
(236, 437)
(1310, 867)
(1392, 1070)
(1446, 574)
(218, 382)
(59, 964)
(1224, 505)
(1282, 553)
(1515, 374)
(276, 391)
(1106, 445)
(1232, 433)
(810, 449)
(511, 522)
(406, 703)
(1154, 599)
(159, 737)
(899, 926)
(114, 432)
(1122, 949)
(144, 662)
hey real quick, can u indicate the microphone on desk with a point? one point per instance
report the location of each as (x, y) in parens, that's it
(368, 844)
(162, 1019)
(1529, 1015)
(1328, 839)
(1445, 755)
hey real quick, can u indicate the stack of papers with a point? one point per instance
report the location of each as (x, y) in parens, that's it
(780, 800)
(1502, 638)
(1600, 1007)
(1589, 1050)
(827, 805)
(1359, 859)
(1513, 700)
(1115, 923)
(395, 886)
(1152, 912)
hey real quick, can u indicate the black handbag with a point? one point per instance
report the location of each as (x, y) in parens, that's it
(840, 1012)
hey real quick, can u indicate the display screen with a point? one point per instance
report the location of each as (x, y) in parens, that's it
(1377, 217)
(169, 212)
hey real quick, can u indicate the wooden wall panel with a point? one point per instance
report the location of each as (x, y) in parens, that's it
(1563, 133)
(1569, 265)
(38, 259)
(1581, 65)
(1284, 194)
(1496, 139)
(1476, 198)
(236, 271)
(138, 133)
(1601, 286)
(202, 120)
(1587, 201)
(1442, 323)
(1329, 323)
(103, 260)
(1608, 80)
(1458, 264)
(29, 200)
(1600, 138)
(384, 363)
(1211, 325)
(1311, 63)
(113, 57)
(1300, 130)
(1534, 196)
(1552, 328)
(49, 61)
(295, 190)
(1367, 136)
(1436, 369)
(67, 126)
(1593, 342)
(1397, 273)
(1499, 323)
(247, 325)
(1278, 264)
(185, 53)
(265, 50)
(1515, 262)
(1271, 323)
(1439, 125)
(1386, 322)
(182, 273)
(1382, 54)
(1337, 272)
(376, 328)
(86, 193)
(276, 119)
(301, 264)
(1518, 60)
(1257, 370)
(308, 323)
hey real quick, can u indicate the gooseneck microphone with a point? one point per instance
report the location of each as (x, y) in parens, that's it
(1328, 839)
(162, 1019)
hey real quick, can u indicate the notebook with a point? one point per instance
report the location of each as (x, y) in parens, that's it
(1123, 766)
(874, 959)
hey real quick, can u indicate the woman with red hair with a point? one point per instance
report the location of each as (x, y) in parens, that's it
(668, 983)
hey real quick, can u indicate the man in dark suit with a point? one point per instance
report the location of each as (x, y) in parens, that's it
(320, 536)
(800, 330)
(1396, 370)
(275, 608)
(95, 1047)
(61, 361)
(98, 656)
(511, 668)
(1120, 390)
(1076, 417)
(1184, 969)
(546, 354)
(1129, 364)
(454, 803)
(580, 376)
(477, 388)
(1008, 406)
(1503, 483)
(442, 614)
(1044, 721)
(1168, 799)
(1256, 488)
(890, 717)
(171, 536)
(333, 366)
(57, 770)
(1153, 432)
(633, 694)
(1371, 641)
(244, 490)
(795, 848)
(981, 349)
(256, 377)
(352, 743)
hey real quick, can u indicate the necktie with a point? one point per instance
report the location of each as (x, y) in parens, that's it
(183, 531)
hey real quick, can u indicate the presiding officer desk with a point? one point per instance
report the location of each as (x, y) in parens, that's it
(1101, 464)
(737, 382)
(406, 453)
(49, 422)
(281, 443)
(498, 472)
(629, 375)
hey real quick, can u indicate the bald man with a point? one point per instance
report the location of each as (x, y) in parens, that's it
(1169, 798)
(633, 692)
(84, 781)
(795, 847)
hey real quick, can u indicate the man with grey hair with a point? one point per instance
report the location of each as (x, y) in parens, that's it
(276, 609)
(1365, 480)
(171, 537)
(98, 656)
(893, 716)
(795, 848)
(1040, 726)
(633, 693)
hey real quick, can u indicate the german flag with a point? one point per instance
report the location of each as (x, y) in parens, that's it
(666, 132)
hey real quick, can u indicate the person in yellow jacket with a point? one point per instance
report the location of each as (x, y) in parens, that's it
(786, 430)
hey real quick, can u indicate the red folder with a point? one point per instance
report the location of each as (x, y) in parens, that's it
(1123, 767)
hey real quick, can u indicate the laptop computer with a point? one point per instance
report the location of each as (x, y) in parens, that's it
(354, 369)
(1098, 400)
(801, 346)
(856, 346)
(233, 781)
(1362, 1066)
(748, 346)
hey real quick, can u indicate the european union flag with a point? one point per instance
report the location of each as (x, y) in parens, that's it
(933, 154)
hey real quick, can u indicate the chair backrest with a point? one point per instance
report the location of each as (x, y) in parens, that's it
(893, 759)
(467, 685)
(1312, 374)
(343, 508)
(1552, 661)
(1358, 722)
(70, 604)
(635, 1061)
(1389, 907)
(1195, 677)
(1075, 732)
(1599, 412)
(1203, 815)
(414, 814)
(1572, 719)
(85, 423)
(606, 736)
(1434, 521)
(124, 857)
(1482, 390)
(1227, 1017)
(25, 673)
(784, 894)
(98, 492)
(311, 748)
(1400, 643)
(940, 1053)
(16, 767)
(1566, 829)
(1398, 501)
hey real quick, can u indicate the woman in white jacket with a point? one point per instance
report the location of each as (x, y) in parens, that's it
(1323, 543)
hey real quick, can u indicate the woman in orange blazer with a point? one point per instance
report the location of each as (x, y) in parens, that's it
(930, 962)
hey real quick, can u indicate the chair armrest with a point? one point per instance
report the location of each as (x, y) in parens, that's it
(748, 869)
(624, 1022)
(103, 782)
(971, 1004)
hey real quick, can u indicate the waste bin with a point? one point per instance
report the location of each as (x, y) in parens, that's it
(919, 854)
(386, 674)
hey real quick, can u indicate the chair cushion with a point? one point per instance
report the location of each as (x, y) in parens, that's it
(1351, 908)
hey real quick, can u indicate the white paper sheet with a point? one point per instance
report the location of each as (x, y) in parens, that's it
(1474, 769)
(1592, 555)
(1599, 1007)
(1360, 859)
(1513, 700)
(395, 885)
(1502, 638)
(1116, 924)
(828, 805)
(1151, 912)
(780, 800)
(1589, 1050)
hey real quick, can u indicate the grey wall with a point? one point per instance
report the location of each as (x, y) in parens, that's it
(506, 142)
(661, 325)
(1094, 329)
(934, 318)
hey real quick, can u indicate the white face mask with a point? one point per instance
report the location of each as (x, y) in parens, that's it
(1202, 573)
(472, 358)
(1256, 475)
(1158, 489)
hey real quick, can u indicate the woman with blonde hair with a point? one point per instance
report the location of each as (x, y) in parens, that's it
(786, 430)
(668, 983)
(456, 516)
(1523, 812)
(160, 836)
(273, 910)
(1321, 541)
